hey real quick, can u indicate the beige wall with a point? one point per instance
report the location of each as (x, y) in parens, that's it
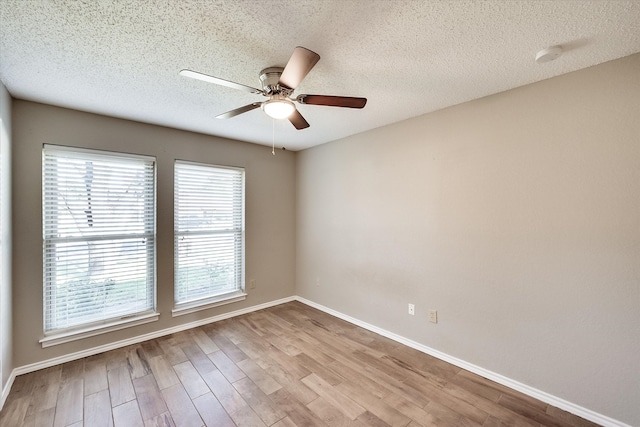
(270, 213)
(6, 363)
(516, 216)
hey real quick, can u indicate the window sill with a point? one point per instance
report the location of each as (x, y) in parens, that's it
(192, 307)
(78, 334)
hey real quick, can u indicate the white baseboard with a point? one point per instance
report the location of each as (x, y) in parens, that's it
(493, 376)
(129, 341)
(7, 388)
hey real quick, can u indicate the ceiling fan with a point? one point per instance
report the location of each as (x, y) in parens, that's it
(278, 84)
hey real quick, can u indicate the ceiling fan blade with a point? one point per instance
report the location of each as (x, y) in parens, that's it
(332, 101)
(240, 110)
(301, 62)
(218, 81)
(298, 121)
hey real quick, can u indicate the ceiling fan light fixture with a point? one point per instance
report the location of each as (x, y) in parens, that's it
(278, 108)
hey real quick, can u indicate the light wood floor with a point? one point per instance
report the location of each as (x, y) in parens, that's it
(285, 366)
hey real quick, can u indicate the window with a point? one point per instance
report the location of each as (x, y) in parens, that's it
(209, 235)
(98, 239)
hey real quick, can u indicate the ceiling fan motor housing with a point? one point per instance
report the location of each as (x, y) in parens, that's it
(270, 78)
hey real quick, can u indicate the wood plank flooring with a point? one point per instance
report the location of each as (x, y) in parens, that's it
(286, 366)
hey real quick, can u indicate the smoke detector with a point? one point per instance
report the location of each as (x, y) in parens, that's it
(548, 54)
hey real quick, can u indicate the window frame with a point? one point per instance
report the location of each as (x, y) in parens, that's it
(215, 300)
(106, 324)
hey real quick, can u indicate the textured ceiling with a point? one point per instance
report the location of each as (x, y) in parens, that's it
(122, 58)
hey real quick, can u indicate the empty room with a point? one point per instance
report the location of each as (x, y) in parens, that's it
(319, 213)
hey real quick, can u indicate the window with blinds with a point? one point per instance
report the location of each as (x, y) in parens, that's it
(98, 237)
(209, 233)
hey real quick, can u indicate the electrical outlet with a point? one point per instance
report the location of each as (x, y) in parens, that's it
(412, 309)
(252, 284)
(317, 281)
(433, 316)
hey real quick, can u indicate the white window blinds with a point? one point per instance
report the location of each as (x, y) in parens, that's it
(209, 233)
(99, 236)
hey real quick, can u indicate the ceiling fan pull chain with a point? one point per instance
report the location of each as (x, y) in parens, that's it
(273, 136)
